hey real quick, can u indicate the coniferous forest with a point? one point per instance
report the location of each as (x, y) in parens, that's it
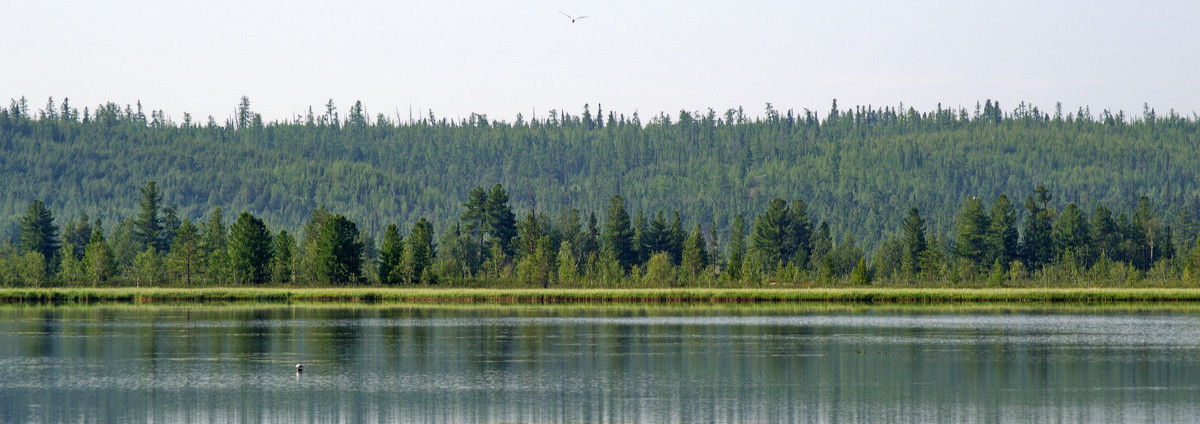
(857, 196)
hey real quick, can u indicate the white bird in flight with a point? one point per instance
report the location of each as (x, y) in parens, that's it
(572, 18)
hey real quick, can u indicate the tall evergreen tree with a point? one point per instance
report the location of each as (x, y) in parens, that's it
(148, 226)
(798, 236)
(822, 246)
(618, 236)
(475, 218)
(391, 254)
(98, 257)
(338, 256)
(737, 246)
(971, 229)
(39, 234)
(185, 249)
(250, 250)
(914, 242)
(170, 224)
(214, 247)
(1104, 232)
(501, 222)
(695, 255)
(419, 252)
(770, 231)
(677, 237)
(1002, 236)
(285, 256)
(1038, 244)
(1072, 234)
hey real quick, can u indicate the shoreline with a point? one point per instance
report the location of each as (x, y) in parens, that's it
(373, 295)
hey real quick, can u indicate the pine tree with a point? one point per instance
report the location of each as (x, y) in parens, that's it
(737, 246)
(676, 237)
(338, 252)
(770, 230)
(501, 223)
(250, 250)
(1002, 236)
(418, 252)
(914, 242)
(618, 236)
(214, 248)
(98, 257)
(475, 218)
(1038, 243)
(39, 234)
(391, 254)
(184, 251)
(1073, 235)
(695, 255)
(798, 235)
(285, 255)
(971, 230)
(148, 226)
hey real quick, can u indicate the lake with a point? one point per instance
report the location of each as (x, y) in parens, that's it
(597, 364)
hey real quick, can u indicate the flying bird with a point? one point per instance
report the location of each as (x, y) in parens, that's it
(572, 18)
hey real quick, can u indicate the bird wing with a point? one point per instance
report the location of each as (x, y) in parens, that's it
(581, 17)
(565, 14)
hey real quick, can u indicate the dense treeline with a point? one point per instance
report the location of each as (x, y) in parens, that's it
(489, 246)
(863, 166)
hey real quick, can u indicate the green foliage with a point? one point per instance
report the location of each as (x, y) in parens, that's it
(148, 226)
(40, 235)
(971, 230)
(283, 264)
(737, 246)
(618, 235)
(338, 252)
(251, 250)
(418, 252)
(391, 254)
(568, 267)
(915, 245)
(183, 261)
(659, 270)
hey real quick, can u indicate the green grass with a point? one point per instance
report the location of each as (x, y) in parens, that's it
(584, 296)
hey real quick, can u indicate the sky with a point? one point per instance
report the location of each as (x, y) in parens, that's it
(501, 58)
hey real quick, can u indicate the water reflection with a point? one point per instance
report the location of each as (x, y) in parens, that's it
(537, 365)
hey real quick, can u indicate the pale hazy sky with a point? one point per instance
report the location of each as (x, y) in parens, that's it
(503, 57)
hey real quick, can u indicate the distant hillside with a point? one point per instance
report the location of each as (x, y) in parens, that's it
(861, 168)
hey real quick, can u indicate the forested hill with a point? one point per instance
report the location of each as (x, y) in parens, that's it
(860, 168)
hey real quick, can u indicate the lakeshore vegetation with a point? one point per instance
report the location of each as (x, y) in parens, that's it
(883, 197)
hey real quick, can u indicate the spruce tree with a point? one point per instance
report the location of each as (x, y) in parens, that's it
(250, 250)
(971, 229)
(185, 249)
(914, 242)
(501, 222)
(391, 254)
(39, 234)
(770, 231)
(148, 226)
(285, 255)
(737, 246)
(1002, 236)
(338, 252)
(618, 236)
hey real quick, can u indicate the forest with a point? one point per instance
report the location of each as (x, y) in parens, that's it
(857, 173)
(489, 246)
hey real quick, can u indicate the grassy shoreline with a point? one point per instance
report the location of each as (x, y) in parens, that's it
(55, 296)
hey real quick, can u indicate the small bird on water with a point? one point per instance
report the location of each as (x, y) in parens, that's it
(299, 367)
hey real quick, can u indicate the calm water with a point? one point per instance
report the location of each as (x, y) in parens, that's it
(594, 365)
